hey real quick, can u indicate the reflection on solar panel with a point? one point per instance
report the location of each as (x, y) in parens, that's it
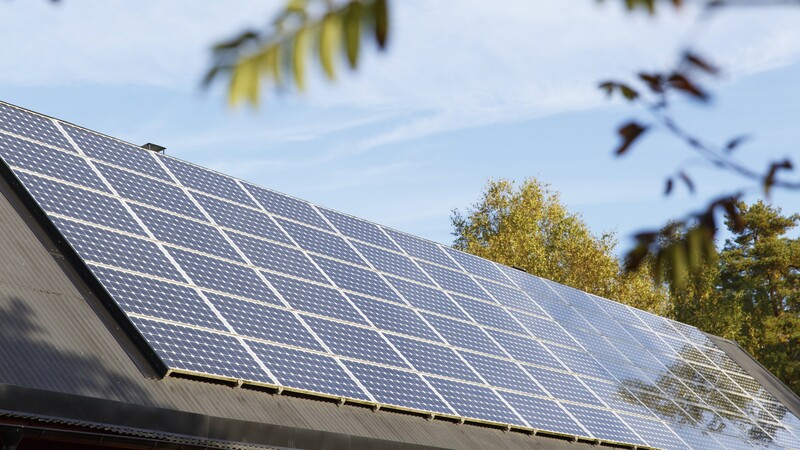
(227, 280)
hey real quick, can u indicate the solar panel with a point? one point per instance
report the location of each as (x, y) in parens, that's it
(225, 279)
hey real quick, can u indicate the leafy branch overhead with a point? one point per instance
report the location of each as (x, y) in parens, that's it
(333, 30)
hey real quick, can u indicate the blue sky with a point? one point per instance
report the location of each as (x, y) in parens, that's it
(467, 91)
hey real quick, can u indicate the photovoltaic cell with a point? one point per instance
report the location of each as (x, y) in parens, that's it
(427, 298)
(118, 250)
(392, 263)
(476, 402)
(454, 281)
(29, 125)
(321, 242)
(59, 198)
(654, 432)
(603, 424)
(513, 298)
(276, 257)
(307, 371)
(206, 180)
(150, 192)
(463, 335)
(564, 386)
(359, 229)
(478, 266)
(286, 206)
(241, 219)
(543, 414)
(200, 351)
(545, 329)
(46, 161)
(392, 317)
(433, 359)
(223, 276)
(158, 299)
(260, 321)
(421, 249)
(398, 388)
(580, 362)
(525, 350)
(489, 314)
(502, 373)
(356, 279)
(185, 233)
(355, 342)
(314, 298)
(116, 152)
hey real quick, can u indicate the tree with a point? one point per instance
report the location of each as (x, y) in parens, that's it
(528, 227)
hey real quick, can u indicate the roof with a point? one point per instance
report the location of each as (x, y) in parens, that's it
(65, 361)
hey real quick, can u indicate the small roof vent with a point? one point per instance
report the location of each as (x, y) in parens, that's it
(154, 147)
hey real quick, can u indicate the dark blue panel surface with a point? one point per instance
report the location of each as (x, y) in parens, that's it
(544, 329)
(260, 321)
(356, 279)
(398, 388)
(463, 335)
(393, 317)
(353, 227)
(603, 424)
(525, 349)
(355, 342)
(108, 247)
(46, 161)
(563, 386)
(513, 298)
(427, 298)
(147, 296)
(116, 152)
(392, 263)
(317, 241)
(241, 219)
(475, 402)
(283, 205)
(276, 257)
(314, 299)
(81, 204)
(478, 266)
(307, 371)
(24, 123)
(543, 414)
(150, 192)
(206, 180)
(489, 314)
(502, 373)
(421, 249)
(201, 351)
(435, 359)
(223, 276)
(454, 281)
(186, 233)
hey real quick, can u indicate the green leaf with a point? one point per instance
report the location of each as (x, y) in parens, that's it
(329, 38)
(352, 33)
(299, 51)
(381, 11)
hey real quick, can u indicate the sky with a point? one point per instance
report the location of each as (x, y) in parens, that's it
(467, 91)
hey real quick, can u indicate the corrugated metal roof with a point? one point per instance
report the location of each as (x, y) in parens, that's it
(54, 340)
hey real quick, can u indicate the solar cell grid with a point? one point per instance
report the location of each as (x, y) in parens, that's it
(398, 388)
(463, 335)
(427, 298)
(454, 281)
(283, 205)
(580, 362)
(115, 152)
(59, 198)
(314, 299)
(27, 124)
(434, 359)
(543, 414)
(564, 386)
(241, 219)
(545, 329)
(321, 242)
(359, 229)
(206, 180)
(475, 401)
(489, 314)
(502, 373)
(392, 263)
(478, 266)
(355, 342)
(46, 161)
(279, 258)
(513, 298)
(356, 279)
(392, 317)
(603, 424)
(421, 249)
(525, 350)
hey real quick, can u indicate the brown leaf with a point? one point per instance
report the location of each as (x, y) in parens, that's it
(629, 132)
(680, 82)
(769, 180)
(668, 187)
(700, 63)
(654, 81)
(735, 142)
(381, 10)
(688, 181)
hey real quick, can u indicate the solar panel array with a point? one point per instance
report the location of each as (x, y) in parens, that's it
(229, 280)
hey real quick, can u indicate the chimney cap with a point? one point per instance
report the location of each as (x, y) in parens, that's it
(154, 147)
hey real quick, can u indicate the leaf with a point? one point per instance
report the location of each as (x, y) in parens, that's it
(688, 181)
(628, 92)
(654, 81)
(299, 57)
(629, 132)
(735, 142)
(668, 187)
(700, 63)
(680, 82)
(244, 85)
(677, 256)
(352, 32)
(328, 42)
(238, 41)
(694, 247)
(381, 11)
(769, 180)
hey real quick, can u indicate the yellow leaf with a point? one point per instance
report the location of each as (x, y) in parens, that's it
(298, 57)
(329, 38)
(352, 32)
